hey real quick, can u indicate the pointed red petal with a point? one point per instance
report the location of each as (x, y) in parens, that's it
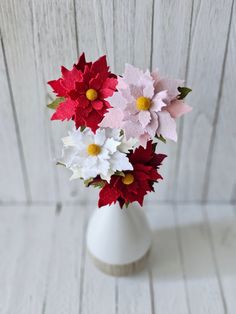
(100, 65)
(65, 110)
(58, 88)
(110, 83)
(97, 104)
(107, 196)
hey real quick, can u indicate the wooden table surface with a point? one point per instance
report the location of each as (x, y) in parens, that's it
(44, 268)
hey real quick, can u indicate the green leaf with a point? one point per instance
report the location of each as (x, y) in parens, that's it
(88, 181)
(161, 138)
(53, 105)
(127, 204)
(60, 164)
(99, 184)
(82, 128)
(183, 92)
(119, 173)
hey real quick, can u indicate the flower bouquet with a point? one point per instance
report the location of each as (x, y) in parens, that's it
(118, 121)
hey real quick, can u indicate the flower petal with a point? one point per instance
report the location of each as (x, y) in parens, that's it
(177, 108)
(117, 101)
(169, 85)
(100, 65)
(158, 101)
(167, 126)
(100, 137)
(105, 92)
(111, 145)
(143, 139)
(97, 104)
(112, 119)
(110, 83)
(132, 74)
(58, 88)
(65, 110)
(133, 130)
(120, 162)
(148, 90)
(144, 117)
(135, 91)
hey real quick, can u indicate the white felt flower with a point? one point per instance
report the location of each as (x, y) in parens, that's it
(103, 153)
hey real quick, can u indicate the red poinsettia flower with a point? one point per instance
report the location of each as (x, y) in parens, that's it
(85, 89)
(136, 183)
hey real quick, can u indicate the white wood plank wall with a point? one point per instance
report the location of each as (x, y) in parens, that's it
(190, 39)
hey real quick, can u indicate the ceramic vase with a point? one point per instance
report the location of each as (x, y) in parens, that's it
(119, 240)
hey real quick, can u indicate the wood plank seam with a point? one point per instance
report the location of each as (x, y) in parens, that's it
(151, 289)
(181, 122)
(152, 35)
(38, 61)
(213, 253)
(83, 259)
(181, 254)
(116, 295)
(209, 169)
(44, 305)
(17, 128)
(76, 28)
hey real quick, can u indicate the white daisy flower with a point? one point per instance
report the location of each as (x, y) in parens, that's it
(103, 153)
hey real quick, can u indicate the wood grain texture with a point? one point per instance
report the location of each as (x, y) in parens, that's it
(25, 246)
(203, 288)
(44, 267)
(65, 264)
(17, 26)
(224, 138)
(165, 262)
(193, 40)
(55, 45)
(134, 294)
(223, 231)
(132, 33)
(171, 28)
(210, 24)
(11, 170)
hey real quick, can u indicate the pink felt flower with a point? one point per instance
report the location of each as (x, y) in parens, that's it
(135, 105)
(145, 105)
(174, 108)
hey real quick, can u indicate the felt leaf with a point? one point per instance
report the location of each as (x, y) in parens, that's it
(184, 91)
(99, 185)
(161, 138)
(53, 105)
(119, 173)
(88, 181)
(58, 163)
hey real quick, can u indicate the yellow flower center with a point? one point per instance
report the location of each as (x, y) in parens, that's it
(91, 94)
(143, 103)
(93, 149)
(128, 179)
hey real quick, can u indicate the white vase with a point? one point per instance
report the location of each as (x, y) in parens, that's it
(119, 240)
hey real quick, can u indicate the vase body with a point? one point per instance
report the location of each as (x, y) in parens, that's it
(118, 240)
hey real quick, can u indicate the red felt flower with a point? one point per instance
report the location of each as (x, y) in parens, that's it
(85, 89)
(136, 183)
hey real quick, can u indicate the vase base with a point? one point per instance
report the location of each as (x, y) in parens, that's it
(121, 270)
